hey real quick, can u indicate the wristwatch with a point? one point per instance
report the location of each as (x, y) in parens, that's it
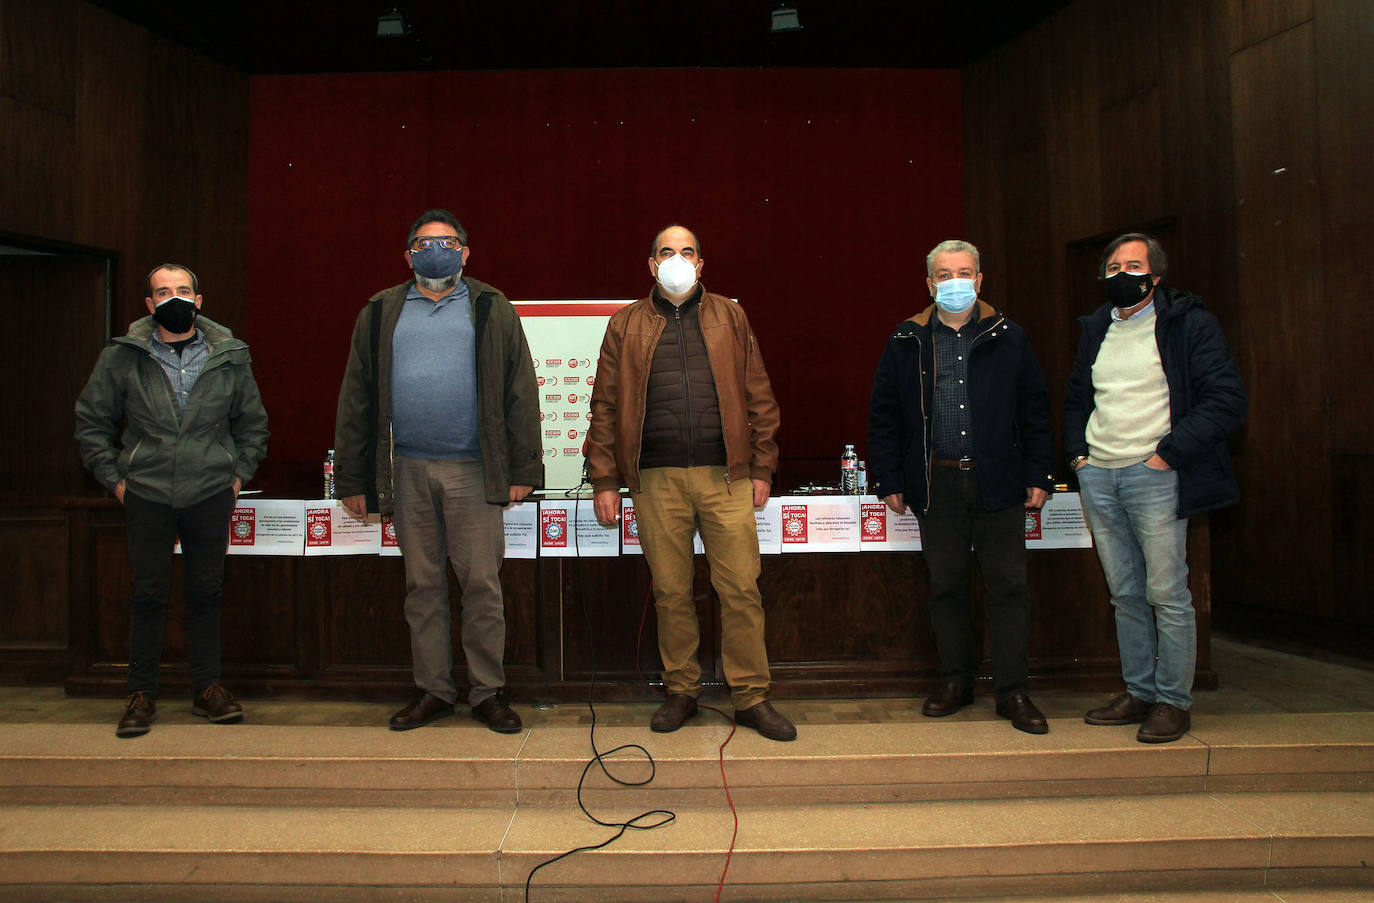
(1077, 461)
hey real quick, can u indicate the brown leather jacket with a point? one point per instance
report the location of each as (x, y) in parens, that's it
(748, 411)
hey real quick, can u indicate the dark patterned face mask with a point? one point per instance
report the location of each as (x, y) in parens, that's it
(1127, 289)
(176, 314)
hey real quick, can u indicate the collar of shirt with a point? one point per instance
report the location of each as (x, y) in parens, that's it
(1147, 309)
(165, 349)
(460, 290)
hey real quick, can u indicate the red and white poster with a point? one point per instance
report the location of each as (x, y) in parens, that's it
(331, 530)
(794, 524)
(553, 527)
(242, 525)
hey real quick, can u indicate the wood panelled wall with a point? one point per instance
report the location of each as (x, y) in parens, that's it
(1240, 131)
(115, 138)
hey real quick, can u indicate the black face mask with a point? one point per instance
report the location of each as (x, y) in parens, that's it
(175, 315)
(1127, 289)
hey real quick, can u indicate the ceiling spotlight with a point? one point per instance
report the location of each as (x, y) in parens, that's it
(785, 19)
(392, 25)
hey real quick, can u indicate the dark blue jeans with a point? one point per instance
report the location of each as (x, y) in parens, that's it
(153, 531)
(955, 530)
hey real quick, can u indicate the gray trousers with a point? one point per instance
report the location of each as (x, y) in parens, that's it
(442, 516)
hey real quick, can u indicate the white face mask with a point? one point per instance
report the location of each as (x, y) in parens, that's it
(677, 275)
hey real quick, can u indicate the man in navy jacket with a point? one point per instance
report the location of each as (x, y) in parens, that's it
(1153, 395)
(959, 432)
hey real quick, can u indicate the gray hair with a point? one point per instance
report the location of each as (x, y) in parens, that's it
(1158, 260)
(952, 246)
(148, 281)
(437, 215)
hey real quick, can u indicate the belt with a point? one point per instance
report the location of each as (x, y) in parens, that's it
(956, 463)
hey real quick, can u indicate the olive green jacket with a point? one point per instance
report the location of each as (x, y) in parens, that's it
(164, 454)
(507, 402)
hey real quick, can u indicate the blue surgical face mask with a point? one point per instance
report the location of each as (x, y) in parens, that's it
(955, 295)
(437, 262)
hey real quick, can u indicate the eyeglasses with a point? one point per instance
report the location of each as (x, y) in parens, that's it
(447, 242)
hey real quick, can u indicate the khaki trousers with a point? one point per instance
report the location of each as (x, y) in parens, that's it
(670, 506)
(442, 517)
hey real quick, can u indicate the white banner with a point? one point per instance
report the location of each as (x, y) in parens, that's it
(267, 527)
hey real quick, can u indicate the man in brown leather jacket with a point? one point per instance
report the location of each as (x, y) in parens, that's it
(684, 415)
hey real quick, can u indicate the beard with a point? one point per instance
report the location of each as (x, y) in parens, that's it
(437, 284)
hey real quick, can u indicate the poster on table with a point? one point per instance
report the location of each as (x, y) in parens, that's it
(569, 529)
(883, 530)
(819, 523)
(565, 340)
(1059, 524)
(331, 530)
(768, 522)
(267, 527)
(522, 529)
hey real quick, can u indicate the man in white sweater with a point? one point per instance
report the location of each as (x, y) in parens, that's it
(1153, 395)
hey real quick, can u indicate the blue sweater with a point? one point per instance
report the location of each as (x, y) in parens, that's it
(434, 378)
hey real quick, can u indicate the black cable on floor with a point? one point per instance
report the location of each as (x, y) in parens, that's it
(644, 821)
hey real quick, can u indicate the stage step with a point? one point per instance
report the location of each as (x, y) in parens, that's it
(456, 763)
(890, 811)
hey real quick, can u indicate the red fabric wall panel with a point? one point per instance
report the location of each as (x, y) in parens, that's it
(815, 195)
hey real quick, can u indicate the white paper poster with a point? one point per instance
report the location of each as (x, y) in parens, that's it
(568, 529)
(267, 527)
(522, 529)
(820, 523)
(565, 341)
(331, 530)
(1059, 524)
(768, 522)
(883, 530)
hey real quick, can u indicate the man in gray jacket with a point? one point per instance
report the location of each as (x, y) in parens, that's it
(438, 423)
(194, 432)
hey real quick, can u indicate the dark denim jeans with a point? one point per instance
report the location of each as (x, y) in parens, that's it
(955, 530)
(153, 531)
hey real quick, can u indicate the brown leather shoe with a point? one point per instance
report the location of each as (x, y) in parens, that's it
(1165, 724)
(950, 698)
(217, 704)
(495, 714)
(1022, 713)
(422, 711)
(670, 716)
(767, 721)
(139, 714)
(1124, 709)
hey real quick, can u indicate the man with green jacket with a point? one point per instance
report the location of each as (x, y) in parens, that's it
(194, 430)
(438, 425)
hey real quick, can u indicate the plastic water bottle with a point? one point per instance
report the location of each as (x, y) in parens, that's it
(863, 478)
(329, 475)
(849, 471)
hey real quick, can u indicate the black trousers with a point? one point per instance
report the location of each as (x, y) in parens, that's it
(153, 531)
(955, 524)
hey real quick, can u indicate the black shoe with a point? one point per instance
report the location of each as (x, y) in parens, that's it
(1022, 713)
(1165, 724)
(422, 711)
(768, 721)
(495, 714)
(676, 709)
(1124, 709)
(950, 698)
(217, 704)
(139, 714)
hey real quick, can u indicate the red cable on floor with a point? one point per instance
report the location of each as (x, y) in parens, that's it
(725, 782)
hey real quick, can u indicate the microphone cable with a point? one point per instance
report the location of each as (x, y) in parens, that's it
(644, 821)
(720, 751)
